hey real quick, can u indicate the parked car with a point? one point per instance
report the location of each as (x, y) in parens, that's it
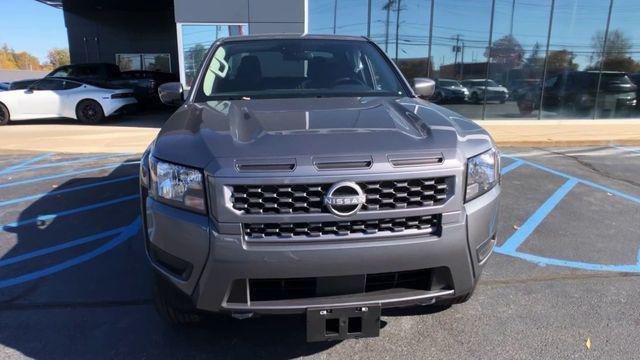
(303, 174)
(576, 91)
(143, 83)
(448, 90)
(4, 86)
(635, 78)
(478, 87)
(84, 100)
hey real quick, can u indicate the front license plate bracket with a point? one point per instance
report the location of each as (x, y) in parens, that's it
(343, 323)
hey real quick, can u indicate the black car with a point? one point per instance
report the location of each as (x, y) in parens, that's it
(635, 78)
(576, 91)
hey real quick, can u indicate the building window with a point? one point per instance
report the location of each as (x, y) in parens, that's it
(194, 41)
(148, 62)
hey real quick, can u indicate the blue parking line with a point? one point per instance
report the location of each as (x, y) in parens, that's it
(626, 148)
(514, 165)
(25, 163)
(66, 245)
(57, 176)
(131, 230)
(16, 224)
(543, 261)
(62, 191)
(517, 238)
(582, 181)
(68, 162)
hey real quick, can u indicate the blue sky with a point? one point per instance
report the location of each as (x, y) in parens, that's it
(28, 25)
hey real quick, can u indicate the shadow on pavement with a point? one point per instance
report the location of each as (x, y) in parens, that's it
(149, 118)
(101, 307)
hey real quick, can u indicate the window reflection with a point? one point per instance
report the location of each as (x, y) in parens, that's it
(196, 40)
(584, 78)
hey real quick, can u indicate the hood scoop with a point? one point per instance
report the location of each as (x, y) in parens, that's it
(343, 163)
(417, 159)
(265, 165)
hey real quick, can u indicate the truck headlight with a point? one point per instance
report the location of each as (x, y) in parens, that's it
(177, 185)
(483, 172)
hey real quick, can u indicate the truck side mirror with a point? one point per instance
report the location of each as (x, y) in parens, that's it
(424, 87)
(171, 94)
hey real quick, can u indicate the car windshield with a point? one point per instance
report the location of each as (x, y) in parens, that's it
(448, 83)
(297, 68)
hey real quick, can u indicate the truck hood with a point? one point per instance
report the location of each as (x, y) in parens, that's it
(199, 133)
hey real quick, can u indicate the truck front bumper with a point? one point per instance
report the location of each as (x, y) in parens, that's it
(223, 273)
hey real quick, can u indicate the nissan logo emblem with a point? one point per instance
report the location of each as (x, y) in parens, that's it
(344, 198)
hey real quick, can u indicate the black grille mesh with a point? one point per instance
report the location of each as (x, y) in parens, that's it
(307, 199)
(426, 223)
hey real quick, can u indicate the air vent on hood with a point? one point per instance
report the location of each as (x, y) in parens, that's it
(402, 160)
(257, 165)
(343, 162)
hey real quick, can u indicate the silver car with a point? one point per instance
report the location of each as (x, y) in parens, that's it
(303, 174)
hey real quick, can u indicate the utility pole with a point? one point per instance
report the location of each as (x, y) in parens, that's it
(462, 63)
(387, 7)
(335, 15)
(513, 10)
(456, 49)
(398, 30)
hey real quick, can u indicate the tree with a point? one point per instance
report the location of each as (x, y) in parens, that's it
(6, 58)
(613, 56)
(534, 58)
(506, 50)
(58, 57)
(560, 60)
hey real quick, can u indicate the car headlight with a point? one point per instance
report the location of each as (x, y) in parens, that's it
(177, 185)
(483, 173)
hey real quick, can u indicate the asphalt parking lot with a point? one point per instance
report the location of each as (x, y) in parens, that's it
(74, 282)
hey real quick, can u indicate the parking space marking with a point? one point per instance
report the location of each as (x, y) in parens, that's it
(128, 232)
(57, 176)
(68, 162)
(626, 148)
(67, 212)
(66, 245)
(509, 247)
(25, 163)
(514, 165)
(582, 181)
(517, 238)
(70, 189)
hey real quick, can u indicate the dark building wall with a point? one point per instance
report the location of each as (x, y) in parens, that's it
(97, 34)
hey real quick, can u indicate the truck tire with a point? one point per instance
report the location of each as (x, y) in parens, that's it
(172, 305)
(4, 115)
(89, 112)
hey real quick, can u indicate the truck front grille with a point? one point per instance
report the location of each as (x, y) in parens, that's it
(427, 224)
(308, 198)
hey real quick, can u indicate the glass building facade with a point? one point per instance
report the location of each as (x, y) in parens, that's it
(505, 59)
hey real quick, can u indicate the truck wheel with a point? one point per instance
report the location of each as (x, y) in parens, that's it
(89, 112)
(4, 115)
(172, 305)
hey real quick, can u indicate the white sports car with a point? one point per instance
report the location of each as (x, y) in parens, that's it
(64, 97)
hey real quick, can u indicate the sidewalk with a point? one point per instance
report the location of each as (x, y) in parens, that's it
(73, 138)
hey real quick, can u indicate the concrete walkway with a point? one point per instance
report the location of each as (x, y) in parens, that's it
(75, 138)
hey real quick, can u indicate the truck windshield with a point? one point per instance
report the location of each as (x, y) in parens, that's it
(297, 68)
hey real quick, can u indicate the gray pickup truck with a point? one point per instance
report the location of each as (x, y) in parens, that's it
(303, 174)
